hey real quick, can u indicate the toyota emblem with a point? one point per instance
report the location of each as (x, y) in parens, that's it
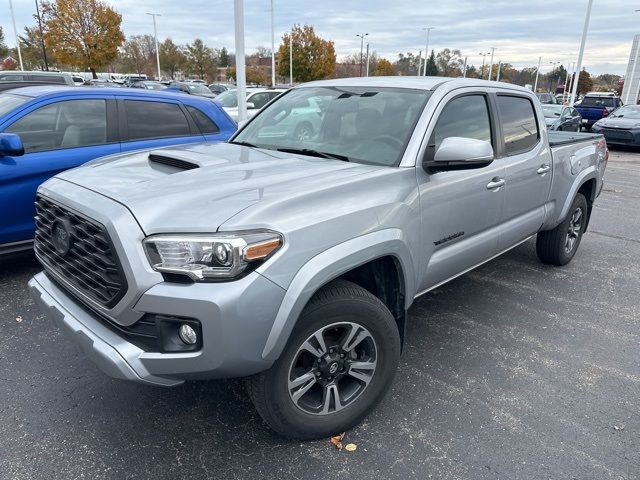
(61, 236)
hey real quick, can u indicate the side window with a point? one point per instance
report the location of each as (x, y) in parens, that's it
(519, 126)
(204, 123)
(260, 99)
(155, 120)
(11, 77)
(466, 116)
(68, 124)
(47, 79)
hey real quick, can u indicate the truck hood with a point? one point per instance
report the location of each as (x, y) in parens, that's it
(209, 183)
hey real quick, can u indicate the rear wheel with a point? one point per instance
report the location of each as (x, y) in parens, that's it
(558, 246)
(338, 364)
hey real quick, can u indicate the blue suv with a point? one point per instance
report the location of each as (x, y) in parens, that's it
(47, 129)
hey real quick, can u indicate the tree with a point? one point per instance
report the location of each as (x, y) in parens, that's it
(138, 54)
(384, 67)
(82, 33)
(172, 58)
(252, 74)
(432, 67)
(31, 49)
(223, 57)
(313, 57)
(4, 51)
(201, 58)
(585, 84)
(9, 64)
(262, 52)
(449, 62)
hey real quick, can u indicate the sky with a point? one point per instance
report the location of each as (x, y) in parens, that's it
(520, 31)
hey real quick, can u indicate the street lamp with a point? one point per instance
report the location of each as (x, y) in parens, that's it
(241, 79)
(273, 51)
(367, 59)
(155, 35)
(483, 55)
(361, 35)
(493, 49)
(582, 44)
(15, 33)
(426, 49)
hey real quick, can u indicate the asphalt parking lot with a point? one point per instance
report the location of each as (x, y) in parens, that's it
(513, 371)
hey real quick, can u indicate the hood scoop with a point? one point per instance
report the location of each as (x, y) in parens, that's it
(174, 162)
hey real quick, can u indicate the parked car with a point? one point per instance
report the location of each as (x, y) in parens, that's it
(58, 78)
(597, 105)
(45, 130)
(102, 83)
(256, 99)
(192, 88)
(547, 98)
(560, 117)
(621, 127)
(294, 262)
(149, 85)
(218, 88)
(78, 81)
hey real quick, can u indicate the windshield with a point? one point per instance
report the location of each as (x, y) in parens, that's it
(154, 86)
(552, 111)
(228, 99)
(9, 101)
(364, 124)
(598, 102)
(198, 88)
(629, 111)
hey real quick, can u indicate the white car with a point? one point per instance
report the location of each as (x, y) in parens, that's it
(256, 99)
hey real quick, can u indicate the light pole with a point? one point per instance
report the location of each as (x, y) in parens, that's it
(464, 69)
(566, 81)
(419, 61)
(15, 33)
(493, 49)
(155, 35)
(291, 58)
(367, 59)
(361, 35)
(426, 49)
(535, 85)
(241, 80)
(553, 69)
(483, 55)
(499, 67)
(273, 51)
(574, 89)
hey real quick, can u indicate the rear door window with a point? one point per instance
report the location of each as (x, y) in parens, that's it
(155, 120)
(204, 123)
(519, 125)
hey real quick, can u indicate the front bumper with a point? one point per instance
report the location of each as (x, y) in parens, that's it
(236, 319)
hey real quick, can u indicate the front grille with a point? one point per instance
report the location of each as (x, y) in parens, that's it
(90, 264)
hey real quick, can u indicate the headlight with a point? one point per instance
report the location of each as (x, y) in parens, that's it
(209, 257)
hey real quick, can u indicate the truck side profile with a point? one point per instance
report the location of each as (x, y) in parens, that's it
(293, 261)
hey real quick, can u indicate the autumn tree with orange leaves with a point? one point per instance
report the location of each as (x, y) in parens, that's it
(82, 33)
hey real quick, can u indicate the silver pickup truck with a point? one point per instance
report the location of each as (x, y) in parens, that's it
(292, 260)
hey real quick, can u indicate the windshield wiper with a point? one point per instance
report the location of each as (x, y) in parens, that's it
(314, 153)
(246, 144)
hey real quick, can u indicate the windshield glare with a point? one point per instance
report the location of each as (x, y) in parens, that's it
(552, 111)
(366, 124)
(9, 101)
(198, 88)
(228, 99)
(627, 112)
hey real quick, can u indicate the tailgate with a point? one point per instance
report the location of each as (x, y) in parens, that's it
(591, 113)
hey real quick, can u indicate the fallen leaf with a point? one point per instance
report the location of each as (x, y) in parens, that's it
(350, 447)
(337, 440)
(620, 428)
(19, 319)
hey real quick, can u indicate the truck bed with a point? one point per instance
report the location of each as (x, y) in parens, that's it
(557, 139)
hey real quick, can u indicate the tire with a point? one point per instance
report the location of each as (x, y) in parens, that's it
(303, 131)
(340, 306)
(558, 246)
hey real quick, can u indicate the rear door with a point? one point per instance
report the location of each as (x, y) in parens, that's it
(152, 123)
(527, 161)
(57, 135)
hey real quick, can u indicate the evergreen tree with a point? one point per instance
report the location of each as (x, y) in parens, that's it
(432, 67)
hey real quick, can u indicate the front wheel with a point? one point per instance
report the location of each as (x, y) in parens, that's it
(558, 246)
(338, 364)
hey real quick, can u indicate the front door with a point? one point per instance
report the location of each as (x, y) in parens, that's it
(460, 209)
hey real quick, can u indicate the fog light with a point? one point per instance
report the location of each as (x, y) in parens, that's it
(187, 334)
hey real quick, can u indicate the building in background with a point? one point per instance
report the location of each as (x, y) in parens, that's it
(632, 77)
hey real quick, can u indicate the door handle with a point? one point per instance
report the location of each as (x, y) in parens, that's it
(544, 168)
(495, 183)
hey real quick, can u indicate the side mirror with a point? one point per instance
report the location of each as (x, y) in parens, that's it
(251, 106)
(456, 153)
(10, 145)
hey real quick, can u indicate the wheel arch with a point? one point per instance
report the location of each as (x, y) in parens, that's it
(380, 253)
(586, 181)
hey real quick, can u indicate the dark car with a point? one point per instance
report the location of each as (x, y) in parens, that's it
(218, 88)
(547, 98)
(57, 78)
(595, 106)
(192, 88)
(149, 85)
(621, 127)
(561, 118)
